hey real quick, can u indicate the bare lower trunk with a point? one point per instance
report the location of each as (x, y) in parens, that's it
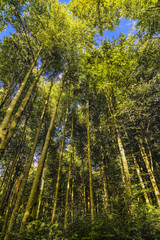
(27, 168)
(89, 166)
(141, 180)
(10, 90)
(59, 169)
(72, 192)
(40, 196)
(121, 149)
(17, 116)
(139, 173)
(150, 172)
(41, 162)
(7, 187)
(4, 124)
(150, 154)
(69, 177)
(11, 202)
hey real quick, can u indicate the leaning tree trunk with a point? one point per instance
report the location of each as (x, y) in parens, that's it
(89, 165)
(41, 162)
(17, 116)
(10, 90)
(28, 165)
(150, 172)
(138, 172)
(140, 179)
(10, 204)
(7, 187)
(4, 124)
(59, 168)
(69, 177)
(121, 149)
(40, 195)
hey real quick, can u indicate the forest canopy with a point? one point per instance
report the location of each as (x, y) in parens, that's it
(79, 120)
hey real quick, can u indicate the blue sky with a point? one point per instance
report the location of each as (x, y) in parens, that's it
(125, 26)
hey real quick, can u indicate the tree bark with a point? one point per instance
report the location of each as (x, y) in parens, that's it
(10, 90)
(40, 196)
(41, 161)
(11, 202)
(28, 165)
(59, 168)
(69, 177)
(72, 192)
(4, 124)
(11, 130)
(138, 173)
(89, 165)
(150, 172)
(121, 149)
(13, 166)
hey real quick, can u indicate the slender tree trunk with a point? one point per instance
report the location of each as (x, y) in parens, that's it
(7, 187)
(17, 116)
(10, 90)
(41, 161)
(138, 173)
(84, 200)
(140, 179)
(104, 182)
(11, 202)
(104, 172)
(97, 203)
(28, 165)
(121, 149)
(150, 154)
(72, 192)
(69, 177)
(59, 169)
(40, 196)
(5, 175)
(150, 172)
(4, 124)
(89, 165)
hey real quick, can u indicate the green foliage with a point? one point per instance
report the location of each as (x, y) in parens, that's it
(120, 78)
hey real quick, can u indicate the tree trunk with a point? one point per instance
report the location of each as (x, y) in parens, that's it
(69, 177)
(4, 124)
(72, 193)
(17, 116)
(150, 154)
(11, 202)
(41, 161)
(40, 196)
(28, 165)
(140, 179)
(121, 150)
(59, 168)
(150, 173)
(7, 187)
(138, 173)
(89, 165)
(104, 172)
(10, 90)
(84, 200)
(104, 182)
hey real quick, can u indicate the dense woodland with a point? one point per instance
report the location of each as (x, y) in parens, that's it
(79, 121)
